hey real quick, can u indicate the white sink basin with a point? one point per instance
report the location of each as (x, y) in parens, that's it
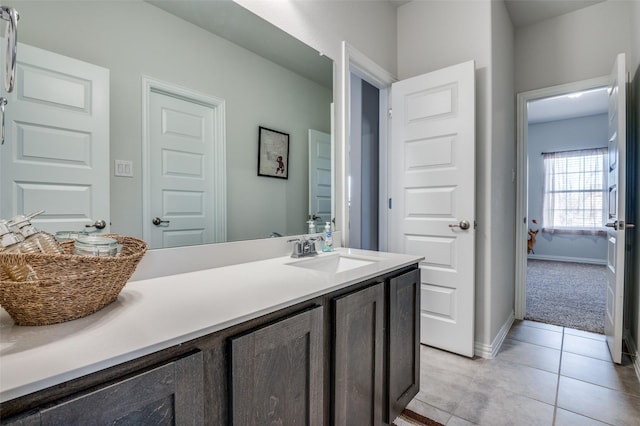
(333, 264)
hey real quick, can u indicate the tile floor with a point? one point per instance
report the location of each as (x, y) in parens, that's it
(543, 375)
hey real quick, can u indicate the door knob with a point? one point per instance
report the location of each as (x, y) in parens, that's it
(157, 221)
(620, 225)
(464, 224)
(99, 224)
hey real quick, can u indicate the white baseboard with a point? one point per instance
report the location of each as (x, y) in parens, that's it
(567, 259)
(490, 351)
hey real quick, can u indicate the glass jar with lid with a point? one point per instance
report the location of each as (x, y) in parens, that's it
(91, 245)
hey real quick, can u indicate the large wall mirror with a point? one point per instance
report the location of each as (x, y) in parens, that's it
(209, 71)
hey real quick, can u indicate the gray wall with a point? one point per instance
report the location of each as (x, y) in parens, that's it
(563, 135)
(503, 160)
(133, 38)
(576, 46)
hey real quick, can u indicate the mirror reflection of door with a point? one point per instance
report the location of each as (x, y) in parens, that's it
(56, 153)
(320, 177)
(185, 193)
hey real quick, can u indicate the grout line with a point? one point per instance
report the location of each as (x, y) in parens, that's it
(555, 405)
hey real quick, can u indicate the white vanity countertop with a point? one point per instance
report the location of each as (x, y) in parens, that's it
(154, 314)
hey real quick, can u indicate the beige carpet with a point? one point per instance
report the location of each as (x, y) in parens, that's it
(566, 294)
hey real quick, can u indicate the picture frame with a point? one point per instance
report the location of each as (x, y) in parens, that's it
(273, 153)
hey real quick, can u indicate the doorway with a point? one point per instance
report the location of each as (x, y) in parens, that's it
(561, 276)
(367, 194)
(364, 165)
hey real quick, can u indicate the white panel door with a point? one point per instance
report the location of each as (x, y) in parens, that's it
(320, 176)
(181, 134)
(433, 198)
(616, 208)
(56, 152)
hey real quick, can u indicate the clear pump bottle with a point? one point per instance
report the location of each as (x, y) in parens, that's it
(14, 243)
(327, 241)
(45, 242)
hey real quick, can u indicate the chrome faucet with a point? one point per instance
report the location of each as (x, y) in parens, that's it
(303, 247)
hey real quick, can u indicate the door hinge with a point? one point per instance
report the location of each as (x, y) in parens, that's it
(390, 204)
(390, 113)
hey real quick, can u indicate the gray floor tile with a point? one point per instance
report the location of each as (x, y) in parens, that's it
(447, 361)
(597, 402)
(441, 388)
(567, 418)
(582, 333)
(496, 406)
(542, 325)
(520, 379)
(537, 336)
(536, 356)
(587, 347)
(599, 372)
(457, 421)
(514, 388)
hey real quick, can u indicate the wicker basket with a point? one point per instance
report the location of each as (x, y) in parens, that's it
(69, 286)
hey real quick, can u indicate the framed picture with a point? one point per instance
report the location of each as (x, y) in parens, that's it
(273, 153)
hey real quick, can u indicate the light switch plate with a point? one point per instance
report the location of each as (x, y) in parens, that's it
(123, 168)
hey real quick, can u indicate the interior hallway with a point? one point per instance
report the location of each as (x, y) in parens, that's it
(543, 375)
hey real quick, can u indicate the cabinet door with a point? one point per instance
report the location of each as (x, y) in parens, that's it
(167, 395)
(358, 374)
(277, 375)
(404, 341)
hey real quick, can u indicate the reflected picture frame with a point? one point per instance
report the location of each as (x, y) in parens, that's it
(273, 153)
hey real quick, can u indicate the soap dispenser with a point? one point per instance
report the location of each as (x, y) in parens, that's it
(327, 241)
(311, 226)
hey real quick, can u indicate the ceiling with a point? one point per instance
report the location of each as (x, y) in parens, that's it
(574, 105)
(527, 12)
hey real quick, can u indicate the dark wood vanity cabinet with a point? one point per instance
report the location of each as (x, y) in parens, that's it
(376, 351)
(403, 356)
(346, 357)
(277, 373)
(358, 386)
(167, 395)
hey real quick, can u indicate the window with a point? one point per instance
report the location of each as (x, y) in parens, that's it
(574, 191)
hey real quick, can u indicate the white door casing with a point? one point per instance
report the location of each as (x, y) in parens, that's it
(616, 209)
(56, 152)
(320, 175)
(184, 157)
(433, 198)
